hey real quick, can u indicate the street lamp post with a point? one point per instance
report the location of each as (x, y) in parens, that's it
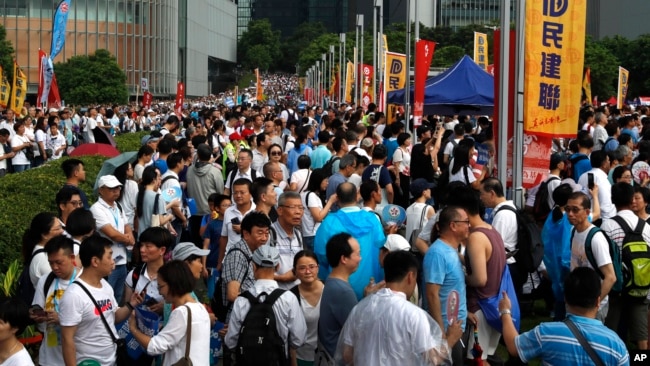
(341, 72)
(380, 47)
(358, 80)
(332, 70)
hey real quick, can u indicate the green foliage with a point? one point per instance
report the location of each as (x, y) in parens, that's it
(28, 193)
(292, 47)
(447, 56)
(6, 54)
(604, 68)
(258, 40)
(9, 279)
(313, 52)
(94, 79)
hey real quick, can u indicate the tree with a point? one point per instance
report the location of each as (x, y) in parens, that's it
(92, 79)
(293, 46)
(447, 56)
(261, 34)
(6, 54)
(604, 68)
(317, 47)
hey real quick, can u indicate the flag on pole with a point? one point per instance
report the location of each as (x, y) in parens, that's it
(349, 80)
(5, 88)
(147, 98)
(424, 50)
(259, 91)
(623, 76)
(180, 98)
(58, 27)
(480, 50)
(367, 91)
(19, 90)
(586, 84)
(334, 84)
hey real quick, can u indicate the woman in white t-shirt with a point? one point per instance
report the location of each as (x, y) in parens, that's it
(20, 144)
(316, 209)
(44, 226)
(129, 193)
(175, 284)
(460, 169)
(300, 177)
(14, 318)
(402, 167)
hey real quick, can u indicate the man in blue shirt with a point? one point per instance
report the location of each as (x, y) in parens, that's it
(321, 154)
(554, 342)
(580, 160)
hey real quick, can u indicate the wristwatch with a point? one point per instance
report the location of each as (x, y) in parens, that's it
(504, 312)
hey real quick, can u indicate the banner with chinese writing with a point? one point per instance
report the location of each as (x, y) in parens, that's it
(147, 98)
(623, 76)
(368, 92)
(480, 49)
(334, 84)
(19, 90)
(424, 51)
(180, 97)
(4, 89)
(586, 85)
(554, 59)
(349, 80)
(394, 79)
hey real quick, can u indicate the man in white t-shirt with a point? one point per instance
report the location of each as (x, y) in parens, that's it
(578, 208)
(83, 333)
(448, 153)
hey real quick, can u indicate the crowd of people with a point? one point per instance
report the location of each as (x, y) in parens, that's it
(279, 210)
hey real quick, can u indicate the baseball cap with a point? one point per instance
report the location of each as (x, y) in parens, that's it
(422, 130)
(396, 242)
(246, 132)
(235, 136)
(266, 256)
(419, 185)
(184, 250)
(109, 181)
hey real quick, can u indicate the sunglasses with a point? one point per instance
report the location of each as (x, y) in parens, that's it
(276, 153)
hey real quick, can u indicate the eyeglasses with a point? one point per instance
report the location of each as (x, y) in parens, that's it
(573, 209)
(310, 267)
(76, 203)
(463, 221)
(276, 153)
(300, 208)
(626, 177)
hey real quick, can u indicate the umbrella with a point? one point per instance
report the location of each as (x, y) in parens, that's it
(111, 164)
(477, 351)
(95, 149)
(102, 136)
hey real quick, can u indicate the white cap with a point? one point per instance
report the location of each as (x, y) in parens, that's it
(109, 181)
(396, 242)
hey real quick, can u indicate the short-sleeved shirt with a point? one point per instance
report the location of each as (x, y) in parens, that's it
(227, 230)
(237, 266)
(213, 233)
(113, 216)
(288, 246)
(336, 303)
(599, 248)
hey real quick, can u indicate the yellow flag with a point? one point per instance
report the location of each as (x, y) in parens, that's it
(480, 50)
(19, 90)
(586, 85)
(349, 80)
(623, 79)
(554, 59)
(334, 84)
(5, 88)
(394, 79)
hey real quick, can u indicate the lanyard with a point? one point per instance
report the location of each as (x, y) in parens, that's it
(56, 288)
(115, 216)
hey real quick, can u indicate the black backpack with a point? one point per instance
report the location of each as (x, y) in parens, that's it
(541, 209)
(259, 342)
(329, 166)
(530, 248)
(233, 174)
(26, 290)
(217, 302)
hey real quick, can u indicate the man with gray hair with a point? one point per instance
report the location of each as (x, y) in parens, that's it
(347, 166)
(286, 236)
(599, 133)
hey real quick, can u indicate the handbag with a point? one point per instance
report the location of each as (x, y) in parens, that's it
(490, 305)
(322, 357)
(156, 217)
(185, 360)
(121, 353)
(416, 232)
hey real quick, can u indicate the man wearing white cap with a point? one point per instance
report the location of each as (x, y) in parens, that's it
(289, 319)
(111, 224)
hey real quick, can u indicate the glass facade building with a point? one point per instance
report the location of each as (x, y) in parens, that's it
(161, 40)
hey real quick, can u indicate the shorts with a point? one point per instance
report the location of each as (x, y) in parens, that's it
(636, 314)
(488, 338)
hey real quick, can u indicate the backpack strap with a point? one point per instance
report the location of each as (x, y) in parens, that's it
(48, 282)
(589, 252)
(466, 174)
(306, 181)
(511, 253)
(273, 296)
(167, 178)
(296, 291)
(137, 273)
(624, 226)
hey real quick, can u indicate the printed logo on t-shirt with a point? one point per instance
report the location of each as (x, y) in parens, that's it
(105, 305)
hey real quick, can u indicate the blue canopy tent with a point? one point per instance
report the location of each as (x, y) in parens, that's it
(464, 88)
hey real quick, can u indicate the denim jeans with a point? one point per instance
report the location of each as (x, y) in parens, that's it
(116, 280)
(21, 168)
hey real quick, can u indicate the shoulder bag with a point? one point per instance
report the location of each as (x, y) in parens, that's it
(122, 355)
(583, 342)
(185, 360)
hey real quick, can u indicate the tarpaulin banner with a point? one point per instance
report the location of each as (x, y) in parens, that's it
(147, 98)
(5, 88)
(394, 79)
(586, 85)
(334, 85)
(367, 90)
(349, 80)
(180, 97)
(58, 27)
(424, 51)
(258, 90)
(19, 90)
(623, 78)
(480, 50)
(554, 59)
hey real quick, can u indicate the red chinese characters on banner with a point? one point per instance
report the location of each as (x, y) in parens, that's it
(424, 51)
(180, 97)
(367, 89)
(147, 98)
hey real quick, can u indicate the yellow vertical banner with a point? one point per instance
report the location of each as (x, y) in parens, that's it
(259, 91)
(623, 78)
(349, 80)
(394, 79)
(586, 85)
(19, 90)
(5, 88)
(554, 57)
(334, 82)
(480, 50)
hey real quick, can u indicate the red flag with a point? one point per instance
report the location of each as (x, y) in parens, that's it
(424, 50)
(180, 97)
(41, 79)
(54, 98)
(147, 98)
(367, 88)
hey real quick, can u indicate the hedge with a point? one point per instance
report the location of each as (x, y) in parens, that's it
(28, 193)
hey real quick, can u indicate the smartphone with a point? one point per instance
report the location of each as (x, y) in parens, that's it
(37, 310)
(235, 221)
(590, 180)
